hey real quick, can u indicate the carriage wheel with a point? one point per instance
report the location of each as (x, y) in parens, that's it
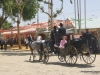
(89, 58)
(45, 57)
(61, 58)
(71, 55)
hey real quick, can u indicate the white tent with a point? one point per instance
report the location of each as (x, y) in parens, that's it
(92, 24)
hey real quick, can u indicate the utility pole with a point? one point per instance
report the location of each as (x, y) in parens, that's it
(75, 15)
(85, 12)
(78, 16)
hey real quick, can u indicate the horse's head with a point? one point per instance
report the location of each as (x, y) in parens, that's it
(39, 38)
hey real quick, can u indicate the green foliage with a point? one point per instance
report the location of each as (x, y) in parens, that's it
(6, 25)
(30, 10)
(9, 8)
(51, 5)
(40, 0)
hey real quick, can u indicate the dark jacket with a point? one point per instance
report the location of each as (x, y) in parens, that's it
(62, 31)
(53, 35)
(91, 43)
(88, 36)
(29, 38)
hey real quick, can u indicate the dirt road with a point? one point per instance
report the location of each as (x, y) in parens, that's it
(17, 63)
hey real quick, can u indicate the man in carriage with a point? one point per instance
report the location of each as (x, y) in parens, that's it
(93, 47)
(58, 37)
(53, 40)
(61, 31)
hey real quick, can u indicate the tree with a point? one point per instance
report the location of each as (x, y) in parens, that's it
(52, 14)
(6, 25)
(25, 10)
(5, 6)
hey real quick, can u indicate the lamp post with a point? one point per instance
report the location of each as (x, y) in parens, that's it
(18, 3)
(94, 16)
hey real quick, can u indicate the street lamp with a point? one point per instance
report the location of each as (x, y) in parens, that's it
(94, 16)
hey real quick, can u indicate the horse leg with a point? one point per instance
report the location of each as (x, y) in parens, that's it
(31, 54)
(41, 50)
(34, 56)
(39, 55)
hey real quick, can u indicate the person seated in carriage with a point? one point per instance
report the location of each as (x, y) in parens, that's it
(63, 42)
(61, 31)
(90, 37)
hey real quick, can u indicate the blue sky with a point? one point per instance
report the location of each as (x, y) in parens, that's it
(92, 8)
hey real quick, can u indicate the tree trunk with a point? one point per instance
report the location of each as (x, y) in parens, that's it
(19, 39)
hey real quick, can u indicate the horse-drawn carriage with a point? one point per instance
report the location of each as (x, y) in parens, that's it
(74, 49)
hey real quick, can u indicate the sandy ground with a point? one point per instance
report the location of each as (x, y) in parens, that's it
(17, 63)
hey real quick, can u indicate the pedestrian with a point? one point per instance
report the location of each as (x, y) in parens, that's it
(11, 41)
(26, 42)
(2, 43)
(29, 39)
(5, 44)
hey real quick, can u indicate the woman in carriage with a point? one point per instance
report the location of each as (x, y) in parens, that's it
(63, 41)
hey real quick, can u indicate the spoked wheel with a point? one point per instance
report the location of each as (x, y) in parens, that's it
(61, 58)
(45, 57)
(89, 58)
(71, 55)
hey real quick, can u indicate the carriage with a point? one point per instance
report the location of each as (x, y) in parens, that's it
(74, 49)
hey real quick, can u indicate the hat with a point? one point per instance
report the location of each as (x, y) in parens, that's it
(54, 27)
(60, 24)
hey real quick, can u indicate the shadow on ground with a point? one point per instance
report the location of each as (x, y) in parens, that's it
(31, 61)
(15, 53)
(62, 64)
(66, 65)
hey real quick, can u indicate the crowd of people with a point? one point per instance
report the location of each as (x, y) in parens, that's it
(4, 42)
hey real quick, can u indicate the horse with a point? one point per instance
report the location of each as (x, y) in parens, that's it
(39, 45)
